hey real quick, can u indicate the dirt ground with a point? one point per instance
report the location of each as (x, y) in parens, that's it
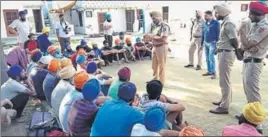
(187, 86)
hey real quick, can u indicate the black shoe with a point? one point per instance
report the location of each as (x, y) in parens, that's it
(219, 110)
(198, 67)
(189, 66)
(207, 74)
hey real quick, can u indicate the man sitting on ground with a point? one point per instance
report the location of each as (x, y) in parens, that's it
(154, 124)
(151, 98)
(82, 62)
(31, 44)
(97, 55)
(140, 49)
(73, 57)
(38, 76)
(35, 57)
(17, 89)
(122, 116)
(120, 51)
(83, 111)
(52, 79)
(68, 52)
(107, 53)
(54, 52)
(252, 116)
(79, 80)
(104, 79)
(129, 49)
(191, 131)
(124, 75)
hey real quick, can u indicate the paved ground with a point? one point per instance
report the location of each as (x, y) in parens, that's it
(188, 86)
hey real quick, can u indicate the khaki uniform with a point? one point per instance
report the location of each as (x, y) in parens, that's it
(196, 42)
(252, 70)
(159, 52)
(226, 60)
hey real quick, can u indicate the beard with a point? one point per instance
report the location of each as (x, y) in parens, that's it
(23, 78)
(23, 19)
(109, 20)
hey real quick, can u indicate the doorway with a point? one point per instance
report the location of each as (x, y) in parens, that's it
(101, 19)
(38, 20)
(140, 18)
(165, 11)
(9, 17)
(130, 18)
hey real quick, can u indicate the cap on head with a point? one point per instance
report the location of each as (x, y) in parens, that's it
(91, 89)
(53, 65)
(45, 59)
(108, 16)
(80, 79)
(117, 41)
(91, 67)
(46, 30)
(67, 72)
(258, 8)
(36, 56)
(14, 71)
(51, 49)
(191, 131)
(65, 62)
(124, 73)
(83, 42)
(154, 119)
(127, 91)
(254, 113)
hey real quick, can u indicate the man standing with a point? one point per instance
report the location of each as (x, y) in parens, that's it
(159, 37)
(63, 32)
(196, 34)
(108, 29)
(226, 46)
(210, 36)
(21, 28)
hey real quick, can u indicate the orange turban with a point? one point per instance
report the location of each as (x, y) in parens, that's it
(51, 49)
(53, 65)
(82, 52)
(80, 79)
(117, 41)
(191, 131)
(128, 40)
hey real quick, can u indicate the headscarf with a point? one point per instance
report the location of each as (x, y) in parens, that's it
(258, 8)
(124, 73)
(91, 67)
(14, 71)
(67, 72)
(36, 56)
(222, 9)
(191, 131)
(91, 89)
(254, 113)
(154, 119)
(53, 65)
(156, 14)
(65, 62)
(80, 79)
(127, 91)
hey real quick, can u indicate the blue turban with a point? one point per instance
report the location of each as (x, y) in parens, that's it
(91, 67)
(154, 119)
(14, 71)
(138, 39)
(121, 33)
(80, 59)
(108, 16)
(36, 56)
(91, 89)
(127, 91)
(83, 42)
(22, 12)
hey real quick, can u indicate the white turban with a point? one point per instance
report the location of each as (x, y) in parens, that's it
(222, 9)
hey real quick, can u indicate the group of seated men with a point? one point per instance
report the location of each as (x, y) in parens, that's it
(90, 102)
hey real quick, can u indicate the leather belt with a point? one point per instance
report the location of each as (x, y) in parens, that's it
(224, 50)
(254, 60)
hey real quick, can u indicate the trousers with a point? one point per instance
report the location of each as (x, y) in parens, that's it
(210, 57)
(195, 43)
(251, 80)
(226, 61)
(109, 38)
(159, 57)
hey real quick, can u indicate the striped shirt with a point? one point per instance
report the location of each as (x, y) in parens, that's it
(81, 117)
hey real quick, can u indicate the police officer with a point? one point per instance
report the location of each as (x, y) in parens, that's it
(225, 47)
(159, 37)
(196, 34)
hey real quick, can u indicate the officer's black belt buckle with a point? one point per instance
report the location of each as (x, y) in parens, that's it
(254, 60)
